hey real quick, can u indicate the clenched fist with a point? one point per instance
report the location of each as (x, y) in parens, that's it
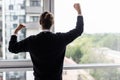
(77, 8)
(18, 28)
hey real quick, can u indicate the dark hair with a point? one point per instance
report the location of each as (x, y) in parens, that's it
(46, 20)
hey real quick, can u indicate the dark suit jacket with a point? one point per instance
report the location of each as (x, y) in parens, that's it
(47, 50)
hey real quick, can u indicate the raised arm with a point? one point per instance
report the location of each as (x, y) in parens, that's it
(78, 30)
(20, 46)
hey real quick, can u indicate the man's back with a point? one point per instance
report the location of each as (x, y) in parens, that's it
(47, 51)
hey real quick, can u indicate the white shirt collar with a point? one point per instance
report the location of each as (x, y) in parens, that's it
(46, 30)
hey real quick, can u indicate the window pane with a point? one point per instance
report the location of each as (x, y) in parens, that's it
(34, 18)
(14, 26)
(76, 74)
(100, 42)
(0, 8)
(19, 14)
(12, 20)
(17, 75)
(10, 7)
(35, 3)
(92, 74)
(15, 17)
(22, 18)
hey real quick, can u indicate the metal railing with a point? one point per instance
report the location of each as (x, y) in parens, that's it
(26, 65)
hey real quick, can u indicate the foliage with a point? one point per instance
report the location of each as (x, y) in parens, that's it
(78, 48)
(83, 50)
(105, 74)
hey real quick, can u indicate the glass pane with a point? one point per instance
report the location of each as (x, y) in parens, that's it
(100, 41)
(76, 74)
(16, 75)
(14, 13)
(92, 74)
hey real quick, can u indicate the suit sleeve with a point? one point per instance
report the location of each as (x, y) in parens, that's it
(73, 34)
(16, 47)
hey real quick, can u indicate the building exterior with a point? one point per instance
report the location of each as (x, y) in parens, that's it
(1, 29)
(33, 9)
(14, 15)
(16, 12)
(22, 11)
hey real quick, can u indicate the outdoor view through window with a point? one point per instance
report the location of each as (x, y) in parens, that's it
(99, 43)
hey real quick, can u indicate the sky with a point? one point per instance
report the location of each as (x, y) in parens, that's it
(100, 16)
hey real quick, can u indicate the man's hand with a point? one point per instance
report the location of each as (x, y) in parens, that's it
(77, 8)
(18, 28)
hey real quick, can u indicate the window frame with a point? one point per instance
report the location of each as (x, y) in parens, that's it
(26, 65)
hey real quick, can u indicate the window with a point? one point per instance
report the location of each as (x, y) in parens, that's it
(34, 3)
(14, 26)
(10, 7)
(15, 76)
(15, 17)
(0, 8)
(12, 20)
(22, 18)
(34, 18)
(22, 6)
(101, 37)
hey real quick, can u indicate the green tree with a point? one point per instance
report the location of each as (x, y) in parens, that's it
(79, 47)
